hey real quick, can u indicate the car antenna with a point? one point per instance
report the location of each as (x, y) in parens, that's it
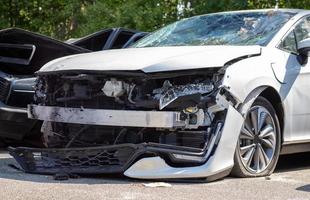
(277, 5)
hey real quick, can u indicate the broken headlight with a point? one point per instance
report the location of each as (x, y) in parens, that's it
(169, 93)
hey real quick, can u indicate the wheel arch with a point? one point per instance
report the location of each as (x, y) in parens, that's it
(271, 94)
(274, 98)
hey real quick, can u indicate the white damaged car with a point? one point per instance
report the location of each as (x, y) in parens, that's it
(201, 98)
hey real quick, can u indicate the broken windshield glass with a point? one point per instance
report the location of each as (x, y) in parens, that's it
(239, 28)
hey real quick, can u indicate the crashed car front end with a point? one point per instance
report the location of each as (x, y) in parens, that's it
(144, 125)
(171, 106)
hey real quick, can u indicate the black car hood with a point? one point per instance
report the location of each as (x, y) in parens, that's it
(46, 49)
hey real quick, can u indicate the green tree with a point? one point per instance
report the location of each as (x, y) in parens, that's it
(56, 18)
(135, 14)
(64, 19)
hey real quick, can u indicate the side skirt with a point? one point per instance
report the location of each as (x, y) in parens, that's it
(295, 147)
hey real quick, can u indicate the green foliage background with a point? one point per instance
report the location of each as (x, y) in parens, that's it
(63, 19)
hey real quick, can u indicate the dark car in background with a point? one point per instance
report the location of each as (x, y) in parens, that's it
(22, 53)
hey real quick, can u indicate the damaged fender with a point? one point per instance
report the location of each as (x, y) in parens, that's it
(241, 78)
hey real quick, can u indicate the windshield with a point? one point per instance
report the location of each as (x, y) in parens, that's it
(240, 28)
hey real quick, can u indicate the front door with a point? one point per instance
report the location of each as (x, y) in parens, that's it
(296, 84)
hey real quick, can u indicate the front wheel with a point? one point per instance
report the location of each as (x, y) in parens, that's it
(259, 142)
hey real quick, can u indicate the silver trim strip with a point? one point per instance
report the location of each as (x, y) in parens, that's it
(7, 108)
(296, 142)
(24, 91)
(154, 119)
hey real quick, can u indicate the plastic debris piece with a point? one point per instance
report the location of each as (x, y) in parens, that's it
(157, 184)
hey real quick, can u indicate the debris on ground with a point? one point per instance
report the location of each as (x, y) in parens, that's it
(157, 184)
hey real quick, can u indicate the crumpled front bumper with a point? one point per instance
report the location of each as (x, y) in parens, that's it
(142, 161)
(222, 160)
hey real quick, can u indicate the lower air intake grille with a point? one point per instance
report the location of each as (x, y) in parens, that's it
(92, 160)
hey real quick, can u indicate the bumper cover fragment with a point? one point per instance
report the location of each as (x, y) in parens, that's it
(92, 160)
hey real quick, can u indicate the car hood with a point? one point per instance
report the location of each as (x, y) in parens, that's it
(152, 59)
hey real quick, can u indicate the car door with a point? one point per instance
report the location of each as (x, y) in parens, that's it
(296, 84)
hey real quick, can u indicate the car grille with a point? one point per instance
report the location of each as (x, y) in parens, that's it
(94, 160)
(102, 159)
(4, 89)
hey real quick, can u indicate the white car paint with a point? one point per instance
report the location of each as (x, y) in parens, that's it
(271, 67)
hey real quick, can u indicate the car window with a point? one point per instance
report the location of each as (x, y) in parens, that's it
(236, 28)
(300, 32)
(289, 43)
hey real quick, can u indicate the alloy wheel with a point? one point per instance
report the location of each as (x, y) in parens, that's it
(257, 141)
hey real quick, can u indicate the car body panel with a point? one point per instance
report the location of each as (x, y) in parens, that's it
(295, 90)
(151, 60)
(46, 49)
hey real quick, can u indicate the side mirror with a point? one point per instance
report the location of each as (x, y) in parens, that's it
(303, 49)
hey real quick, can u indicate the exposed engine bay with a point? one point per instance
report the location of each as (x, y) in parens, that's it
(190, 95)
(177, 116)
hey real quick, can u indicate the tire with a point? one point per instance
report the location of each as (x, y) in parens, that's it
(258, 146)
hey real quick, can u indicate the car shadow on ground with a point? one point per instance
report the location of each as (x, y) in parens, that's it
(293, 162)
(286, 164)
(305, 188)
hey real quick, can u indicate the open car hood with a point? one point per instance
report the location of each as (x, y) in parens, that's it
(24, 52)
(154, 59)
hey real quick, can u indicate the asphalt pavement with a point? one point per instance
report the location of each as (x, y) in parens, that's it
(291, 181)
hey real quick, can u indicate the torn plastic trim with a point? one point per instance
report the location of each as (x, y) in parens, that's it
(224, 99)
